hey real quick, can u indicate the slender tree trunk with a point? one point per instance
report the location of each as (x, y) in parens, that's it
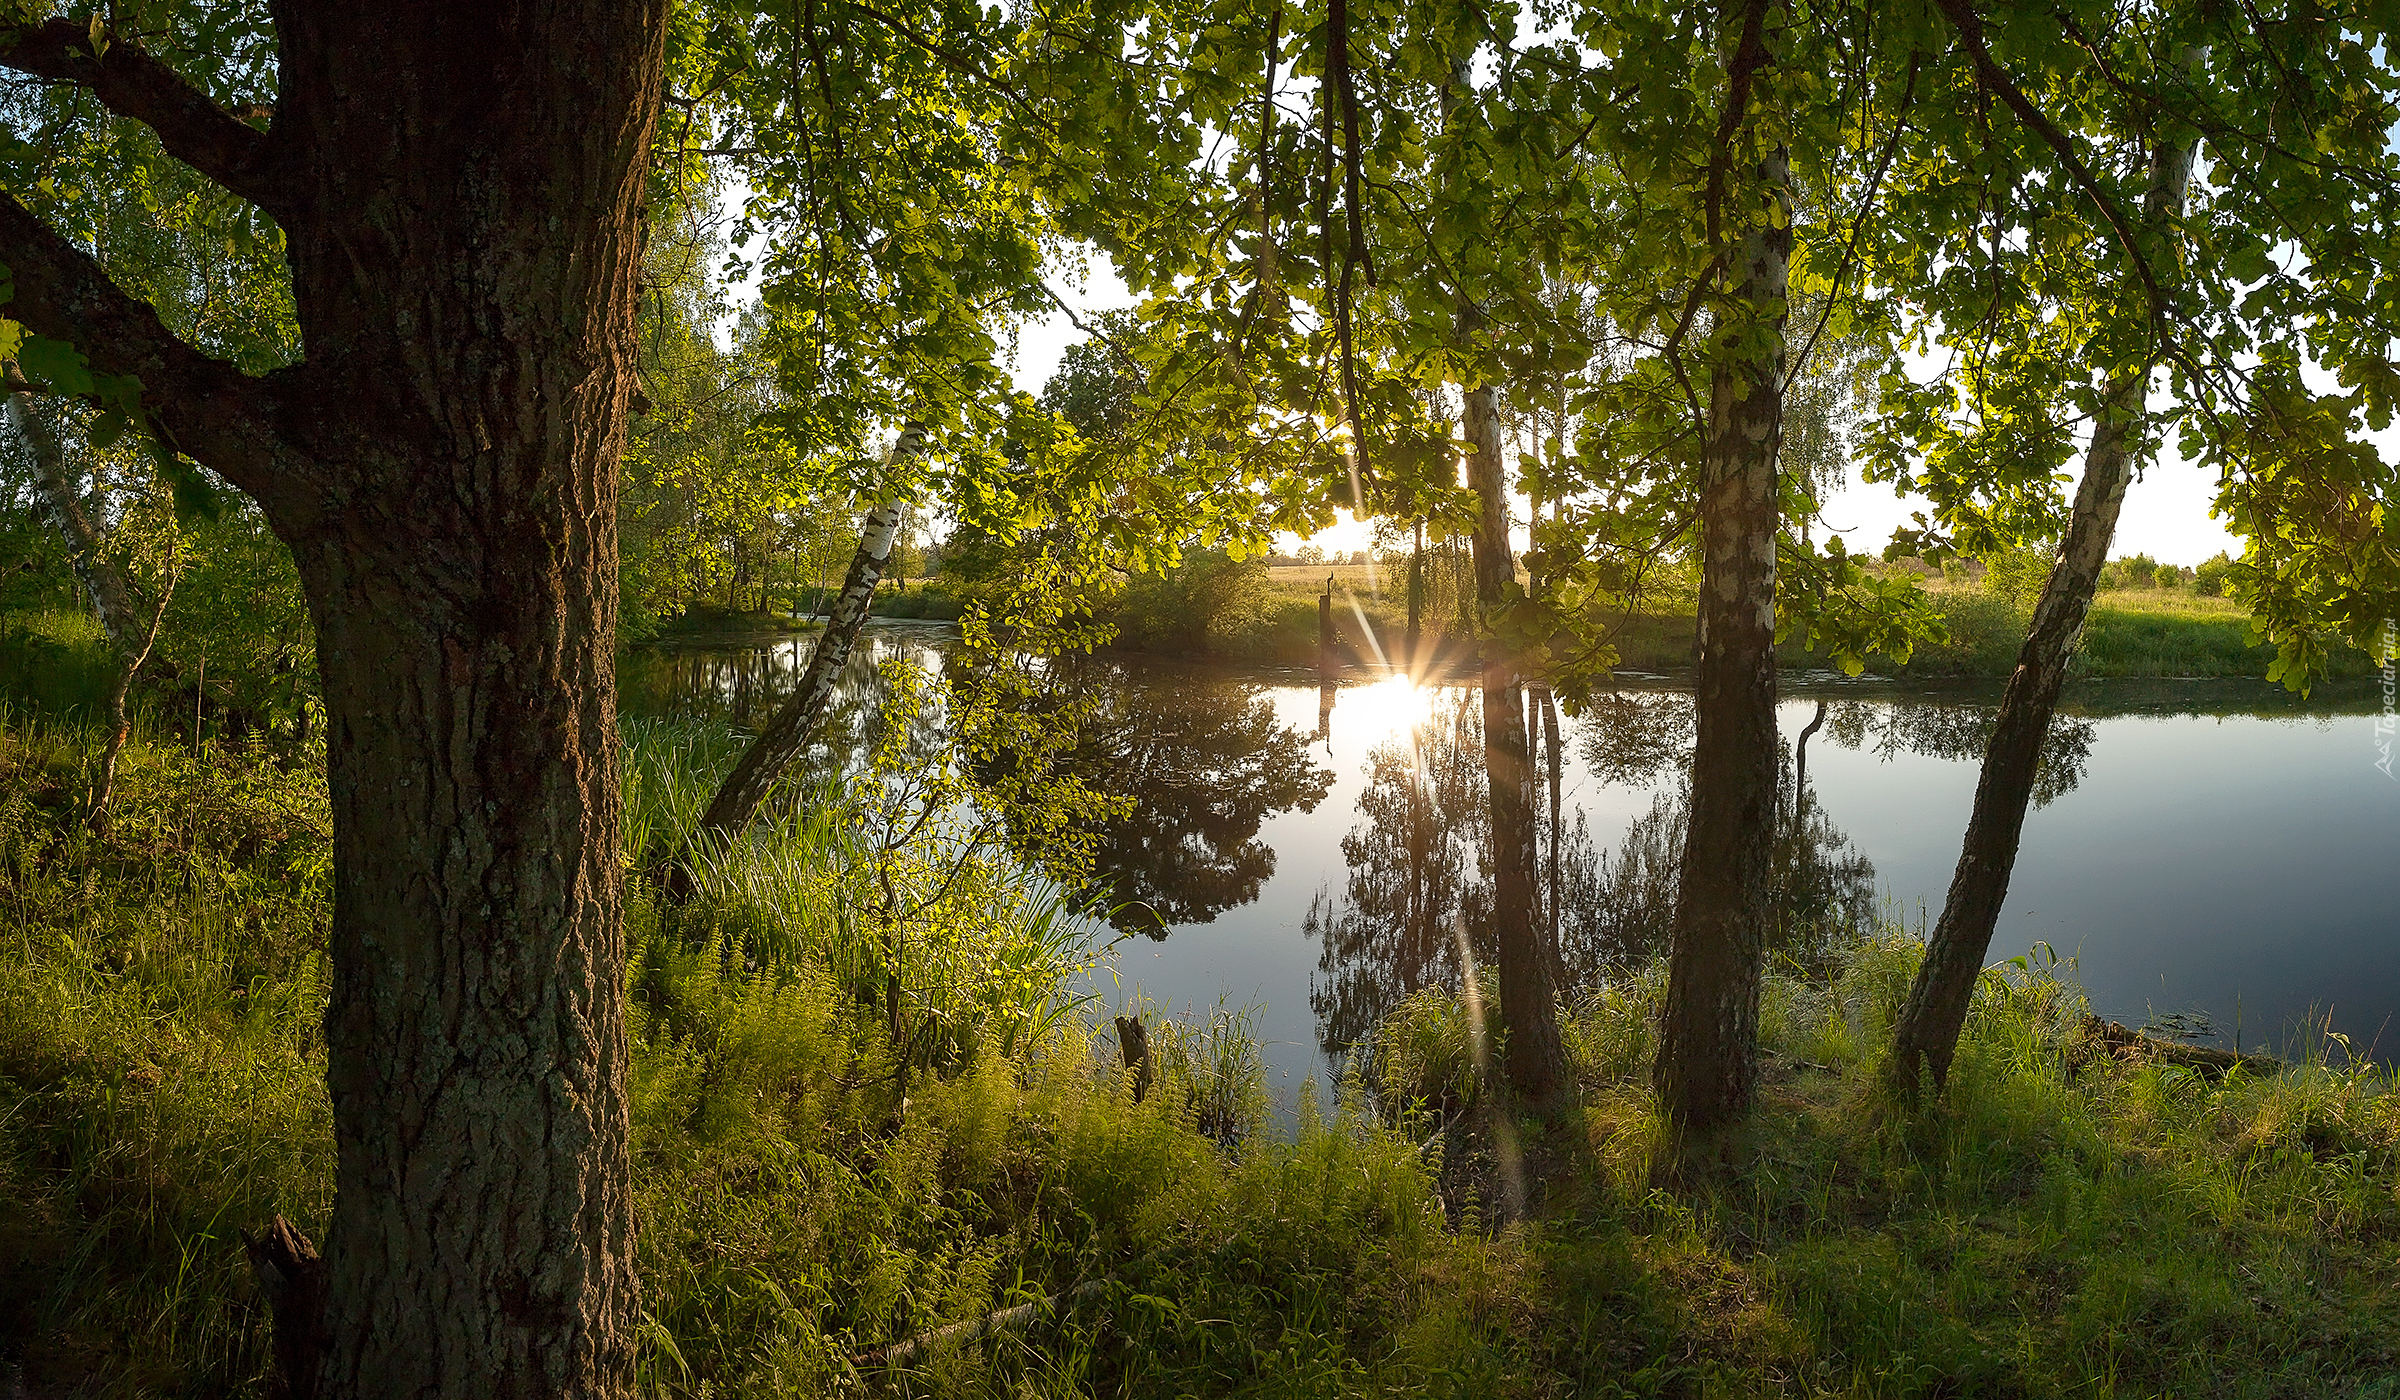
(1551, 741)
(794, 727)
(1325, 657)
(1708, 1031)
(1930, 1021)
(1416, 591)
(1536, 1060)
(1800, 755)
(120, 724)
(111, 600)
(128, 638)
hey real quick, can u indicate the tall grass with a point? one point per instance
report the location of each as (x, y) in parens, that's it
(161, 1087)
(55, 661)
(2065, 1223)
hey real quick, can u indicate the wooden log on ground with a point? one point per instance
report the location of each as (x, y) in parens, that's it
(976, 1329)
(2125, 1043)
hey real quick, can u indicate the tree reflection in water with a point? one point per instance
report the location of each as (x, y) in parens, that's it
(1206, 762)
(1960, 731)
(1418, 862)
(1425, 830)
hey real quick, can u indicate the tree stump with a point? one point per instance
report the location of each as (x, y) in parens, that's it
(292, 1277)
(1133, 1042)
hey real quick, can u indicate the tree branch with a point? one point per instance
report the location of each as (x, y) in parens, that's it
(131, 83)
(1962, 16)
(206, 408)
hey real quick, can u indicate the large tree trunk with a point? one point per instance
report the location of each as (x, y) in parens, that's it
(794, 727)
(1535, 1062)
(470, 188)
(1708, 1031)
(1927, 1035)
(461, 187)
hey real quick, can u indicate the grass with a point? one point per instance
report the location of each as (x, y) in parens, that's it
(2133, 631)
(2137, 631)
(54, 660)
(2065, 1224)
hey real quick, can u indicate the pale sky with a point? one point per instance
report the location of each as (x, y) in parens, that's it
(2166, 512)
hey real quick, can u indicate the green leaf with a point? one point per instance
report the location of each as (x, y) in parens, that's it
(54, 364)
(107, 429)
(196, 498)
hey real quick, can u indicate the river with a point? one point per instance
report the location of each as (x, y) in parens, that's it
(2214, 858)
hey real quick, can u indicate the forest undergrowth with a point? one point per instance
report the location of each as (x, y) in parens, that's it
(855, 1148)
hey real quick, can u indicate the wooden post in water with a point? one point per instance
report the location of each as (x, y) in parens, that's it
(1326, 666)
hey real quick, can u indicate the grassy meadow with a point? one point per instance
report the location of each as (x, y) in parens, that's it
(2137, 630)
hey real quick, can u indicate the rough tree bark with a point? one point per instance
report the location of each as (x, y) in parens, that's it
(1536, 1061)
(462, 188)
(1708, 1031)
(1927, 1035)
(794, 727)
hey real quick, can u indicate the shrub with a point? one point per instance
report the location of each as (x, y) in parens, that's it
(2018, 574)
(1201, 604)
(2212, 579)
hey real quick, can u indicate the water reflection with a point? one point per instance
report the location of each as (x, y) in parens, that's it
(1424, 831)
(1419, 861)
(742, 686)
(1297, 824)
(1206, 762)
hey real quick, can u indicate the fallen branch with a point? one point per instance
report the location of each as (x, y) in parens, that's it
(1009, 1319)
(2133, 1046)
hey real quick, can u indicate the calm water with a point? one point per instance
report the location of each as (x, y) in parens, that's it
(2215, 850)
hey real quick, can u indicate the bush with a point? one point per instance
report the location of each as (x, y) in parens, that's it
(2019, 574)
(1200, 605)
(2136, 570)
(2214, 577)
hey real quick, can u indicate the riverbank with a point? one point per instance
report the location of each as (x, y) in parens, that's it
(704, 625)
(2131, 632)
(2068, 1222)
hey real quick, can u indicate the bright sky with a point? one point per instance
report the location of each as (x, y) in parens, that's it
(2166, 512)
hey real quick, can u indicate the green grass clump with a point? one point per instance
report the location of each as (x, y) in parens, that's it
(2061, 1224)
(55, 661)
